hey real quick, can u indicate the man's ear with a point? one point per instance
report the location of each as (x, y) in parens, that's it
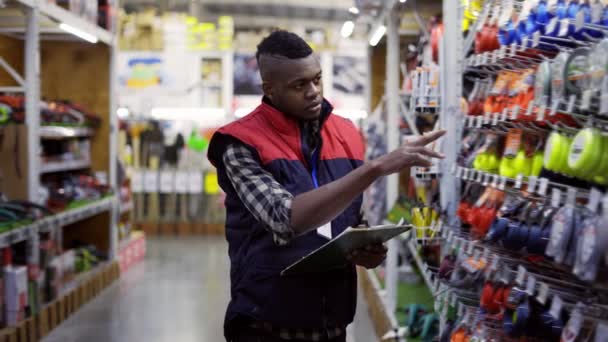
(267, 88)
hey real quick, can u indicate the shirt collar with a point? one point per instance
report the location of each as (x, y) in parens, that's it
(326, 109)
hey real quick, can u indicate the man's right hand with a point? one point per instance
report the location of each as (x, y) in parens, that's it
(412, 153)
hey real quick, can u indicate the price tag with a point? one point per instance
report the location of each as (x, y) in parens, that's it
(579, 21)
(532, 184)
(543, 293)
(556, 197)
(494, 183)
(513, 50)
(594, 200)
(502, 51)
(137, 181)
(541, 113)
(536, 39)
(571, 102)
(479, 121)
(181, 182)
(518, 181)
(530, 285)
(495, 118)
(494, 264)
(470, 247)
(551, 26)
(486, 179)
(476, 254)
(571, 196)
(530, 108)
(167, 182)
(514, 112)
(503, 183)
(478, 60)
(524, 42)
(450, 237)
(150, 181)
(554, 106)
(521, 275)
(494, 58)
(479, 177)
(484, 58)
(604, 101)
(487, 119)
(556, 306)
(564, 25)
(486, 254)
(586, 99)
(596, 12)
(195, 182)
(543, 184)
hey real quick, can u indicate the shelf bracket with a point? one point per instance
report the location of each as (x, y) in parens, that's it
(14, 74)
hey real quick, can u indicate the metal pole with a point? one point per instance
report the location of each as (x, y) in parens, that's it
(113, 179)
(32, 101)
(392, 123)
(451, 117)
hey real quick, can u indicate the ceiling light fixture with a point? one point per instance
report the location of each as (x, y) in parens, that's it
(122, 112)
(347, 28)
(78, 33)
(402, 1)
(378, 34)
(354, 10)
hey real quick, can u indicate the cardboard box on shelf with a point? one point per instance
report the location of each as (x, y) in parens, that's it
(15, 293)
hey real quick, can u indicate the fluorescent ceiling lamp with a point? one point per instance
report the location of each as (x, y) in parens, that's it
(352, 114)
(242, 112)
(201, 115)
(354, 10)
(122, 112)
(378, 34)
(347, 29)
(402, 1)
(78, 33)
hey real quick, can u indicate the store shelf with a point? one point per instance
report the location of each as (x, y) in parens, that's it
(51, 16)
(70, 216)
(49, 167)
(422, 266)
(59, 132)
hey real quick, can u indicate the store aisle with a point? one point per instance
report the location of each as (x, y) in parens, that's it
(179, 294)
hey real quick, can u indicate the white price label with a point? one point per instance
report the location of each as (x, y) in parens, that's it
(502, 51)
(571, 102)
(571, 196)
(181, 182)
(167, 182)
(484, 58)
(556, 197)
(494, 264)
(543, 293)
(530, 285)
(195, 182)
(450, 236)
(551, 26)
(530, 108)
(540, 115)
(150, 181)
(503, 183)
(514, 112)
(579, 21)
(494, 181)
(594, 200)
(494, 58)
(586, 99)
(476, 254)
(486, 179)
(556, 306)
(524, 42)
(495, 118)
(521, 275)
(479, 177)
(137, 181)
(518, 181)
(532, 184)
(487, 119)
(543, 184)
(564, 25)
(470, 247)
(536, 39)
(513, 50)
(479, 121)
(554, 106)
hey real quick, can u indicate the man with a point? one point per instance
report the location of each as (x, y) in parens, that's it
(293, 174)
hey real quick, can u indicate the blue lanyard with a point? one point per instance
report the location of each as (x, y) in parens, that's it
(313, 163)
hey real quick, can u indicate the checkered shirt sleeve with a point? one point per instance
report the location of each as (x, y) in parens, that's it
(261, 194)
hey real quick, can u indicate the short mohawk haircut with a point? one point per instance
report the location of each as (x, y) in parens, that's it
(283, 43)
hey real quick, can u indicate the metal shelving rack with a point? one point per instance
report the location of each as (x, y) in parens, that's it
(34, 21)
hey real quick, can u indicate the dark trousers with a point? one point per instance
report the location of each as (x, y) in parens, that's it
(252, 335)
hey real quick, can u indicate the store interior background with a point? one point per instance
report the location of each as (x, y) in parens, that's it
(106, 112)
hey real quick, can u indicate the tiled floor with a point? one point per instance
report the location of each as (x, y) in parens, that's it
(178, 294)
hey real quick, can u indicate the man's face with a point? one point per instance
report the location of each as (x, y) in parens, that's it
(293, 85)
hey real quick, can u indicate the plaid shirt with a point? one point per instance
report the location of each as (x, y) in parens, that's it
(269, 202)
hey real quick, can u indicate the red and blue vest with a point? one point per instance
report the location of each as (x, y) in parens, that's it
(258, 292)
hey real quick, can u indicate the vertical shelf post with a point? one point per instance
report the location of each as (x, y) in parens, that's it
(393, 140)
(451, 57)
(113, 172)
(32, 101)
